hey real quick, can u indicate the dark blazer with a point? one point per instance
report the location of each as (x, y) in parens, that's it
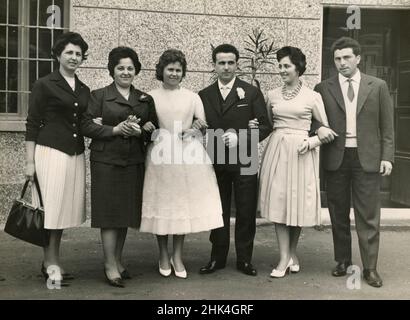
(375, 135)
(234, 113)
(55, 113)
(109, 104)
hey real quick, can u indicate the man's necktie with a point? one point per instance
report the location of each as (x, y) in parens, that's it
(350, 91)
(225, 92)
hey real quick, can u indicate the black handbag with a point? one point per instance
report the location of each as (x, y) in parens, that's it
(26, 222)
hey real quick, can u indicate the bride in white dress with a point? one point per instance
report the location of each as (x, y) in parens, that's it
(180, 189)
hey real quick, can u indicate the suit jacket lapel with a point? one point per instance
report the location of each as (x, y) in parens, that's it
(135, 102)
(336, 91)
(79, 86)
(364, 90)
(231, 98)
(113, 94)
(62, 83)
(133, 99)
(214, 98)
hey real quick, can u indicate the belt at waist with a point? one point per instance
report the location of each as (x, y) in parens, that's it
(299, 132)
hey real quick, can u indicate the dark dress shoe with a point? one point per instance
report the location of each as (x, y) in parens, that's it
(116, 282)
(44, 271)
(246, 268)
(372, 278)
(56, 283)
(2, 279)
(211, 267)
(125, 275)
(67, 276)
(341, 269)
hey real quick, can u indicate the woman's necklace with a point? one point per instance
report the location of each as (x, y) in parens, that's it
(288, 95)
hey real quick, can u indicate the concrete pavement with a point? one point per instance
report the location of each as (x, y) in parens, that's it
(82, 255)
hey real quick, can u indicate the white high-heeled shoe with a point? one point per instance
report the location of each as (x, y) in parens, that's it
(294, 268)
(280, 274)
(180, 274)
(164, 272)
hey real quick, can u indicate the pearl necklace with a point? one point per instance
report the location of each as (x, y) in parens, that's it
(288, 95)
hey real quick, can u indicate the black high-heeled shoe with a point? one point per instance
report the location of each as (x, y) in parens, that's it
(46, 276)
(117, 282)
(44, 271)
(67, 276)
(125, 275)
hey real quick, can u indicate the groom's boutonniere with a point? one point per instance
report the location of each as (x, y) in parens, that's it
(241, 93)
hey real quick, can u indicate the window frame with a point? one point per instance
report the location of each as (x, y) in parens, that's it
(16, 122)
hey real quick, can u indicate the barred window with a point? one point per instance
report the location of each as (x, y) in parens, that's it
(28, 29)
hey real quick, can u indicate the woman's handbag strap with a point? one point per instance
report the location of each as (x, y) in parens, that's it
(23, 192)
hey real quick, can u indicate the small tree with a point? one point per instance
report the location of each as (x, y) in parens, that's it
(258, 53)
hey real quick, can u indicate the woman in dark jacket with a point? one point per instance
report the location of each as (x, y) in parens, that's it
(55, 146)
(114, 120)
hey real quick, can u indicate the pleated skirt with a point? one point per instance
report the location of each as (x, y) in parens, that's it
(289, 188)
(62, 184)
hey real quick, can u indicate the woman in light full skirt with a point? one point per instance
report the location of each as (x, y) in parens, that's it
(289, 189)
(180, 189)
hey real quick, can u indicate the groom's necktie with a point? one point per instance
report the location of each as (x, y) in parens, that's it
(225, 91)
(350, 91)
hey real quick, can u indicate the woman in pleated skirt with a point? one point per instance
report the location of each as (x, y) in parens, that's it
(55, 148)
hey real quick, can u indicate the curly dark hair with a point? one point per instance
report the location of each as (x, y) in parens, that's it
(346, 42)
(122, 52)
(225, 48)
(69, 37)
(170, 56)
(295, 55)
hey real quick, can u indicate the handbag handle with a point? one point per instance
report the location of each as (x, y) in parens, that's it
(23, 192)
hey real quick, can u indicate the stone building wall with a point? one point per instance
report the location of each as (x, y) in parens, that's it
(152, 26)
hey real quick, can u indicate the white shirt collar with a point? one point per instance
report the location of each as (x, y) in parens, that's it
(229, 85)
(356, 78)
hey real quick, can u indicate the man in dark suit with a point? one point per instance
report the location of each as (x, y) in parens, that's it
(360, 111)
(230, 104)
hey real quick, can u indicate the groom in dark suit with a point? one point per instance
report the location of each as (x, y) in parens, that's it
(360, 111)
(230, 104)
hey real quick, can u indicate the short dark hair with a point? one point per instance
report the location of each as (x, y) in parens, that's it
(295, 55)
(167, 57)
(225, 48)
(119, 53)
(346, 42)
(69, 37)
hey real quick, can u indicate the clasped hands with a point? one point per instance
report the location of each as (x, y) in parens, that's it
(198, 126)
(324, 134)
(129, 127)
(230, 139)
(327, 135)
(302, 148)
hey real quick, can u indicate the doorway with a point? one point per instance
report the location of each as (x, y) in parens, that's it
(385, 43)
